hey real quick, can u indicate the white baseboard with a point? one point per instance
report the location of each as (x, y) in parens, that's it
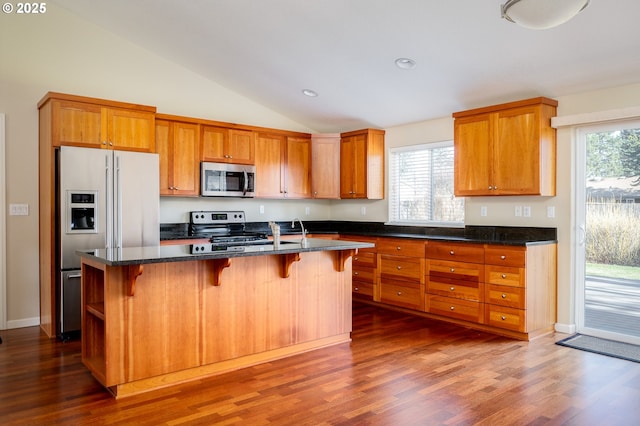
(565, 328)
(25, 322)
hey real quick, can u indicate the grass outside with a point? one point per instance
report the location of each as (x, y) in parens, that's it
(613, 271)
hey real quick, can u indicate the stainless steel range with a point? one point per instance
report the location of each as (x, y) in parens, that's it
(225, 230)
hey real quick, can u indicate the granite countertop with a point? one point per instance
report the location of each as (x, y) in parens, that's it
(179, 253)
(506, 235)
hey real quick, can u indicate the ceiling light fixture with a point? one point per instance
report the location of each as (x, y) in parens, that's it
(541, 14)
(405, 63)
(310, 93)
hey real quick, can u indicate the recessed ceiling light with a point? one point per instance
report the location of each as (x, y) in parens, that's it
(405, 63)
(310, 93)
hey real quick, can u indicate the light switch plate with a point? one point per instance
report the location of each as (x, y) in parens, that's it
(526, 211)
(483, 211)
(18, 209)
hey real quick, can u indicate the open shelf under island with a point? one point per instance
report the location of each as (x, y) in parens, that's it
(157, 316)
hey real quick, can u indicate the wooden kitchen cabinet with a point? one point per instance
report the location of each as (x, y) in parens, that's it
(325, 163)
(401, 271)
(362, 164)
(283, 166)
(223, 145)
(364, 281)
(96, 123)
(177, 143)
(507, 149)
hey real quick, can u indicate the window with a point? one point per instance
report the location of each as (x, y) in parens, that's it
(421, 185)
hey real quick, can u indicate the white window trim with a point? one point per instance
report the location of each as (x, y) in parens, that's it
(420, 223)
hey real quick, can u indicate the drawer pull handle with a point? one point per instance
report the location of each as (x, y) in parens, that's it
(452, 308)
(452, 288)
(503, 257)
(504, 296)
(399, 267)
(504, 275)
(452, 270)
(452, 252)
(399, 293)
(357, 289)
(503, 318)
(355, 272)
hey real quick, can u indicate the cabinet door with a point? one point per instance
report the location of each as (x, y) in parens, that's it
(269, 166)
(163, 148)
(241, 147)
(325, 167)
(130, 130)
(77, 124)
(214, 140)
(186, 155)
(353, 170)
(516, 151)
(298, 168)
(473, 155)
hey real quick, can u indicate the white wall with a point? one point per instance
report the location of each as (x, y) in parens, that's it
(59, 52)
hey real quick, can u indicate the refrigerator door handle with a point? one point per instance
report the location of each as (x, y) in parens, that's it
(117, 223)
(108, 212)
(246, 182)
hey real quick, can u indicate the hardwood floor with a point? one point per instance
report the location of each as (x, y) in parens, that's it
(398, 370)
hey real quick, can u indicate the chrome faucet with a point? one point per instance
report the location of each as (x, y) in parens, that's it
(304, 231)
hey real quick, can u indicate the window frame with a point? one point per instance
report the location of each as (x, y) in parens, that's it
(390, 206)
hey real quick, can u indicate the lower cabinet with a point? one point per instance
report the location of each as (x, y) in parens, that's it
(507, 290)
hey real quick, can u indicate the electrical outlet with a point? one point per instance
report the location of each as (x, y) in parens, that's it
(518, 211)
(551, 211)
(261, 209)
(18, 209)
(483, 211)
(363, 211)
(307, 211)
(526, 211)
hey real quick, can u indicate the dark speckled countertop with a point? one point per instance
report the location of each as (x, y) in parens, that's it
(508, 235)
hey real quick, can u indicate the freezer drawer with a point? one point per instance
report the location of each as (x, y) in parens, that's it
(70, 303)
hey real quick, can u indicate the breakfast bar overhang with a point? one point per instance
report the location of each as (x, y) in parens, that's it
(156, 316)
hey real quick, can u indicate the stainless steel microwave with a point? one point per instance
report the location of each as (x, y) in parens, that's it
(227, 180)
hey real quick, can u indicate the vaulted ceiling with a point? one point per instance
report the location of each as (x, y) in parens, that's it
(466, 55)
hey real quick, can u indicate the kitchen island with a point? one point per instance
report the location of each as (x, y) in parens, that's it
(157, 316)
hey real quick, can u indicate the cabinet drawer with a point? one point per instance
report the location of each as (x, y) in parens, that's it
(447, 270)
(463, 252)
(505, 255)
(401, 246)
(406, 295)
(365, 289)
(365, 258)
(402, 267)
(466, 290)
(513, 297)
(504, 275)
(455, 308)
(363, 274)
(504, 317)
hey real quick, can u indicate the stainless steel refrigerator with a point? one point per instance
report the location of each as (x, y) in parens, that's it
(106, 199)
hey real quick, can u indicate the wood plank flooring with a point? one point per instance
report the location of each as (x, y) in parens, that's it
(398, 370)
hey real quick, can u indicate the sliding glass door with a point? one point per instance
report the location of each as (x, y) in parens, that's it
(608, 231)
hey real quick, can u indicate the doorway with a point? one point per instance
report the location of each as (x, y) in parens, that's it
(608, 221)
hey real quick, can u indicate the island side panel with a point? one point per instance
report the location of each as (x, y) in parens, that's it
(256, 310)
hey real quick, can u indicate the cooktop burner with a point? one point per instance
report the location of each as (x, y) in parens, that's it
(223, 228)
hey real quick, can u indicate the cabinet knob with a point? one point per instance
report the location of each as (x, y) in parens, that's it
(452, 288)
(356, 289)
(452, 308)
(452, 270)
(355, 272)
(355, 258)
(399, 293)
(504, 276)
(503, 318)
(398, 248)
(503, 257)
(399, 267)
(104, 142)
(452, 252)
(504, 296)
(110, 143)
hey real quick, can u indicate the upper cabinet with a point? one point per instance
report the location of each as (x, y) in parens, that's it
(507, 149)
(177, 143)
(283, 165)
(362, 164)
(325, 163)
(223, 145)
(97, 123)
